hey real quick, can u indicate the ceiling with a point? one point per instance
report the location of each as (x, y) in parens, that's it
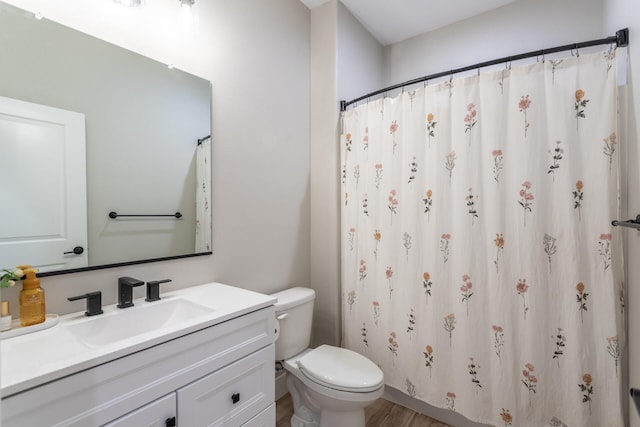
(392, 21)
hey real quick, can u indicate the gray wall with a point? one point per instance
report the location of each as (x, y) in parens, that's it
(256, 54)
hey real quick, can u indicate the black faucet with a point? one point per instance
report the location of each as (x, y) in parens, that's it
(94, 302)
(125, 291)
(153, 289)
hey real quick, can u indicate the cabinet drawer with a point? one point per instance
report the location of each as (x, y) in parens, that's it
(266, 418)
(155, 414)
(231, 396)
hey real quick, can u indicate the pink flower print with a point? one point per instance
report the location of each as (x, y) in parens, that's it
(465, 289)
(351, 237)
(522, 289)
(450, 324)
(428, 356)
(498, 340)
(393, 128)
(444, 246)
(426, 284)
(578, 197)
(587, 390)
(376, 236)
(524, 105)
(378, 177)
(605, 249)
(376, 312)
(530, 381)
(451, 401)
(389, 274)
(499, 242)
(349, 141)
(351, 299)
(428, 202)
(526, 199)
(497, 164)
(363, 270)
(580, 105)
(393, 345)
(450, 163)
(506, 417)
(393, 204)
(581, 298)
(470, 119)
(610, 148)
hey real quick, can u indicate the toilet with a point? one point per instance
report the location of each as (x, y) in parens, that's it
(329, 386)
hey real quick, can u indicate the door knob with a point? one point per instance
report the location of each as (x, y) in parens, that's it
(77, 251)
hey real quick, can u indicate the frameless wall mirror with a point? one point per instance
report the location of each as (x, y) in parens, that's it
(142, 124)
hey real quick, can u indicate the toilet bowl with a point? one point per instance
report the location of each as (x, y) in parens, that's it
(329, 386)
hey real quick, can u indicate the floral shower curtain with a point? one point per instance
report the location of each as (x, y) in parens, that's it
(480, 269)
(203, 196)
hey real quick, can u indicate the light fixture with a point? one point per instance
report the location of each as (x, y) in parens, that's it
(187, 4)
(130, 3)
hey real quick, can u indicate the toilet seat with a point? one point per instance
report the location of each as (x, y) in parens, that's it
(341, 369)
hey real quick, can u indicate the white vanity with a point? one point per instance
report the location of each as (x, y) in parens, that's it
(201, 356)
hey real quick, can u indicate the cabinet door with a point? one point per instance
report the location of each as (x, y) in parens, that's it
(232, 395)
(155, 414)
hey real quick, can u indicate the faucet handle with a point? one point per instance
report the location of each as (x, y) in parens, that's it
(153, 289)
(94, 302)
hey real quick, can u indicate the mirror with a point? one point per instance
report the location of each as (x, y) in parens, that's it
(143, 124)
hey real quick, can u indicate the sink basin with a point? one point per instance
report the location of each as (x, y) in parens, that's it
(123, 324)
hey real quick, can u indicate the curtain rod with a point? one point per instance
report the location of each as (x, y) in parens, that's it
(621, 39)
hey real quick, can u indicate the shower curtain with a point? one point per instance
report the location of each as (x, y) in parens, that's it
(203, 196)
(480, 269)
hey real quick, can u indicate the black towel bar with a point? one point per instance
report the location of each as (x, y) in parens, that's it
(114, 215)
(632, 223)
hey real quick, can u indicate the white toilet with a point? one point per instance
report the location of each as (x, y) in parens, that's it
(329, 386)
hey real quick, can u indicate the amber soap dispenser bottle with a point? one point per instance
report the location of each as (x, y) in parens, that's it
(32, 307)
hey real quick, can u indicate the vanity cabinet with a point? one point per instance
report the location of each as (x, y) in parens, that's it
(221, 375)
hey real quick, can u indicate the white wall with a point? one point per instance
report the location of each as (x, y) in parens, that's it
(620, 14)
(345, 62)
(256, 54)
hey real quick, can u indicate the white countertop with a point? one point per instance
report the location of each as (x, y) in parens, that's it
(33, 359)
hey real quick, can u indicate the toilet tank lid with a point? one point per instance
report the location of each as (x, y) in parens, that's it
(292, 297)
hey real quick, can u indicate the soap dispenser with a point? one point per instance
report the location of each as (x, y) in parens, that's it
(32, 306)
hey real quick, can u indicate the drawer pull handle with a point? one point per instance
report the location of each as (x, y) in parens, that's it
(235, 398)
(170, 422)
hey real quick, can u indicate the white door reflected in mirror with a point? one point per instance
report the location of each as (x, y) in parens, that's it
(42, 186)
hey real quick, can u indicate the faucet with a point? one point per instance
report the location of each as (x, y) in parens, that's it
(153, 289)
(125, 291)
(94, 302)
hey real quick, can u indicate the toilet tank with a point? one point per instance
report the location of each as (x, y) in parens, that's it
(294, 314)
